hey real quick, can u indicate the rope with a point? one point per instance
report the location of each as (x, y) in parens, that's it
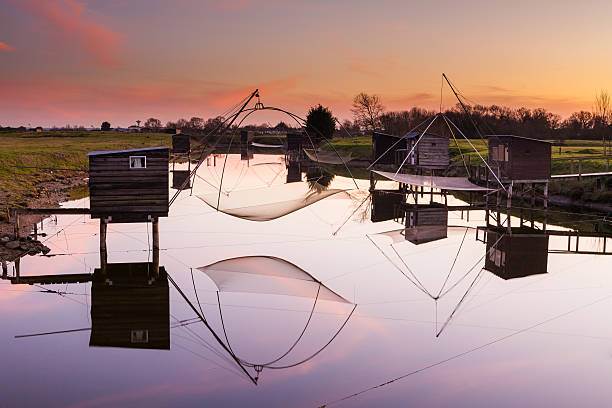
(321, 349)
(456, 356)
(453, 265)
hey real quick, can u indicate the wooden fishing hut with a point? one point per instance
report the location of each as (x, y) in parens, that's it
(246, 137)
(428, 151)
(129, 186)
(520, 159)
(130, 307)
(519, 164)
(517, 255)
(181, 151)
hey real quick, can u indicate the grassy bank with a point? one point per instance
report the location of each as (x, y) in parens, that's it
(55, 149)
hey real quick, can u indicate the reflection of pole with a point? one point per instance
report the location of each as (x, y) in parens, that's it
(156, 245)
(509, 207)
(103, 253)
(17, 269)
(545, 204)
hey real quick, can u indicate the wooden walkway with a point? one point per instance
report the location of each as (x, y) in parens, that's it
(580, 175)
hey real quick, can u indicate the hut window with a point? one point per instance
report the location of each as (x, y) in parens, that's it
(140, 336)
(500, 153)
(138, 162)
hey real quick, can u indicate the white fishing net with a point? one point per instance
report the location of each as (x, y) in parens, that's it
(267, 275)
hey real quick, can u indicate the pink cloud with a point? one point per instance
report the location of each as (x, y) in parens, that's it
(5, 47)
(68, 21)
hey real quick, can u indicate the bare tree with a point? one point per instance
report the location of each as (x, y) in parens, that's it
(367, 110)
(602, 114)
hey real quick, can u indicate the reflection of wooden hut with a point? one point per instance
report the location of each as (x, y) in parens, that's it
(181, 179)
(386, 204)
(522, 253)
(426, 223)
(181, 143)
(130, 307)
(519, 158)
(294, 172)
(129, 185)
(295, 143)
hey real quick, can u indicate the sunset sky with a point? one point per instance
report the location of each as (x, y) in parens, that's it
(82, 62)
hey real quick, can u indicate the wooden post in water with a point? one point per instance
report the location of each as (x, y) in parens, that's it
(155, 227)
(103, 252)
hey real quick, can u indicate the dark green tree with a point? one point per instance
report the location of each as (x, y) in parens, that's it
(105, 126)
(320, 124)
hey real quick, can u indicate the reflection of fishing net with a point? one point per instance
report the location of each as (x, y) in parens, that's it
(266, 274)
(328, 157)
(266, 204)
(270, 275)
(446, 277)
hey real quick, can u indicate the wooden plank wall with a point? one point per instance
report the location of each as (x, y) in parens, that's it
(433, 152)
(529, 160)
(380, 143)
(125, 194)
(522, 255)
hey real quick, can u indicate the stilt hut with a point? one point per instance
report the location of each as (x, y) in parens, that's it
(246, 137)
(427, 151)
(517, 255)
(129, 185)
(385, 148)
(517, 158)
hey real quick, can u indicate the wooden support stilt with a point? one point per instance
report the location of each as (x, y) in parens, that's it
(103, 251)
(155, 228)
(5, 268)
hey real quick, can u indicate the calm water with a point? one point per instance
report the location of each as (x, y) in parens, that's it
(541, 340)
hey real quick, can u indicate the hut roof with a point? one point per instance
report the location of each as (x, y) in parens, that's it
(519, 137)
(144, 149)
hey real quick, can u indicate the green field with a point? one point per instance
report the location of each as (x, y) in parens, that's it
(55, 149)
(68, 149)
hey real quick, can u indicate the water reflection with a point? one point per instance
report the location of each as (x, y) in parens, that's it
(130, 307)
(505, 325)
